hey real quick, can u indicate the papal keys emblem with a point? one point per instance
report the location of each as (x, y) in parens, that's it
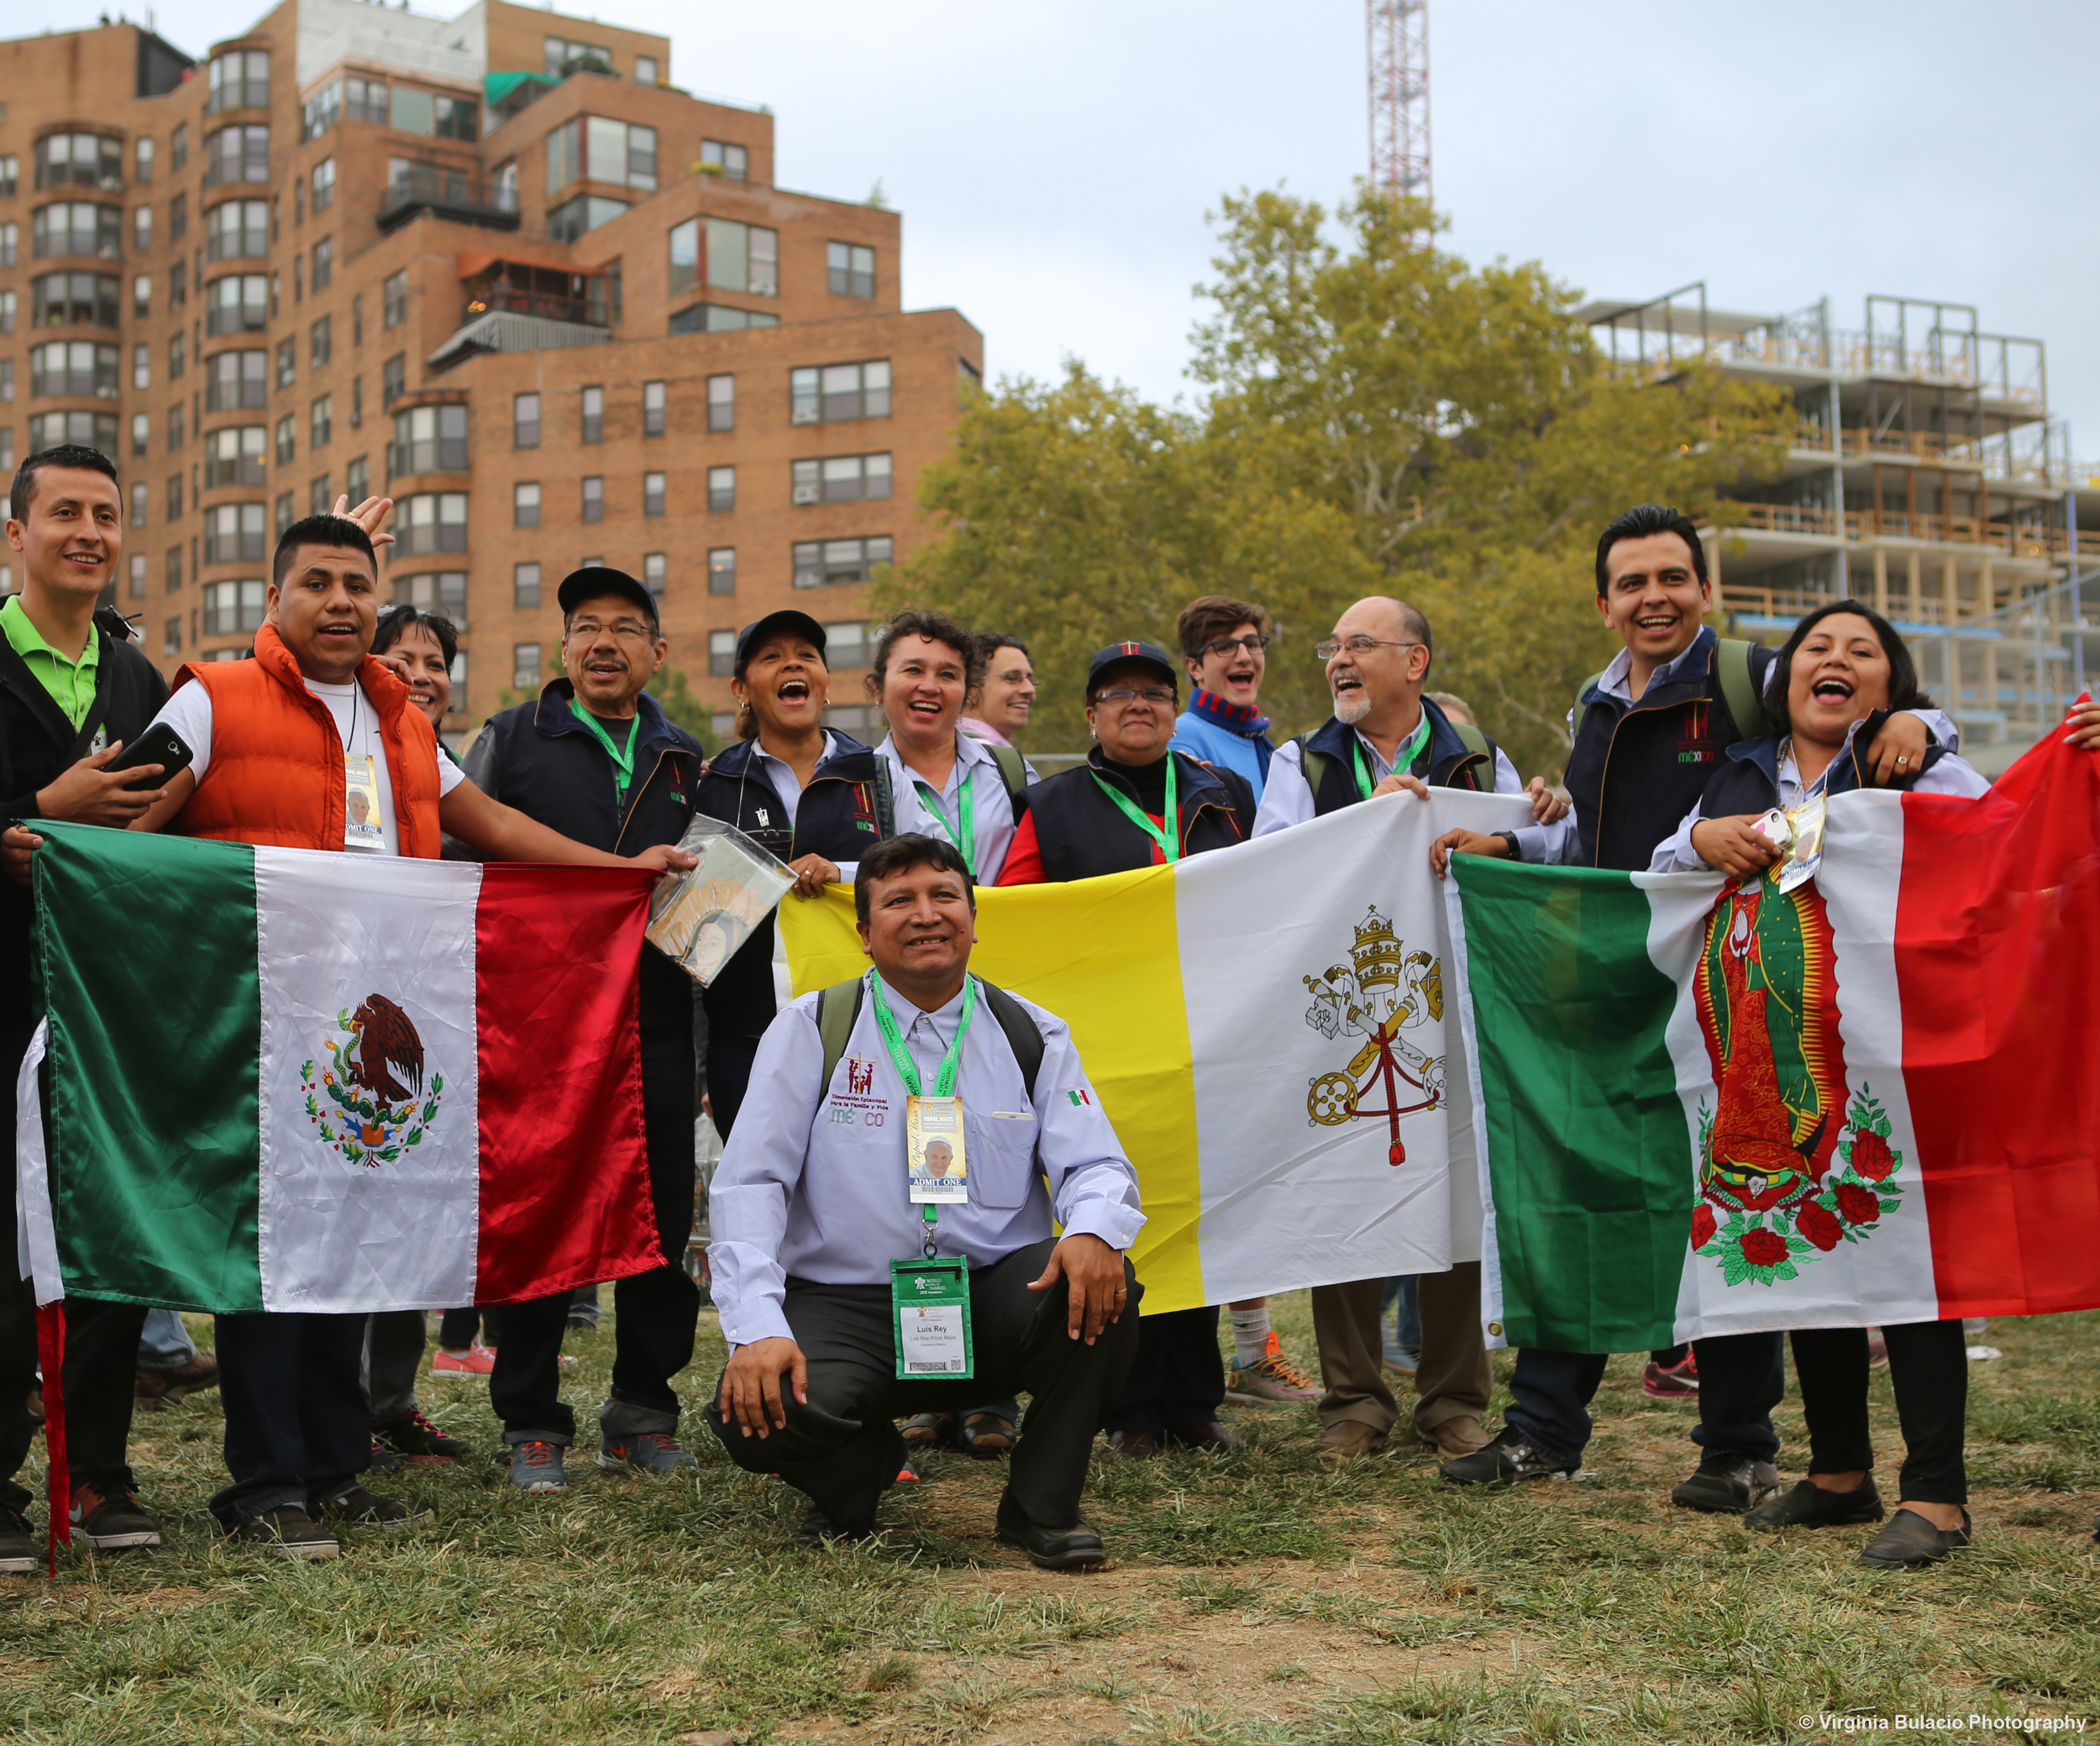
(1383, 991)
(365, 1096)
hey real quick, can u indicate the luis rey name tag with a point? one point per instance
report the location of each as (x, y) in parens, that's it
(931, 1300)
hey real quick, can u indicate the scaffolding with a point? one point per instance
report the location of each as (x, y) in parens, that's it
(1397, 34)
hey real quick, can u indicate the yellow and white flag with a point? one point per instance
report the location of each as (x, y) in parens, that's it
(1266, 1027)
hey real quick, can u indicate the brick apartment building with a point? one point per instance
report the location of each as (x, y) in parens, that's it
(497, 268)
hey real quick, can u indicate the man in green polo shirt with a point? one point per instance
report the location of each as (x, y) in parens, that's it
(71, 696)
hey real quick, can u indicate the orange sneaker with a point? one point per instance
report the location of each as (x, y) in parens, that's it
(477, 1361)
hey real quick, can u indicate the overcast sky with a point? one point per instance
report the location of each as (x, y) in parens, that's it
(1053, 161)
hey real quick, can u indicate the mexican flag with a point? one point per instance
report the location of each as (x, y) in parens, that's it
(1712, 1108)
(279, 1079)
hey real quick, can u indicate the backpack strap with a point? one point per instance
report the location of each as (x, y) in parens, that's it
(1313, 764)
(1011, 770)
(1475, 742)
(1582, 691)
(838, 1011)
(1732, 666)
(1022, 1034)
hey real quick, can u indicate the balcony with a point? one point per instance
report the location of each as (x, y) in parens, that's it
(2017, 540)
(445, 193)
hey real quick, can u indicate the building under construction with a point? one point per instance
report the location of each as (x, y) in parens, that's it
(1925, 474)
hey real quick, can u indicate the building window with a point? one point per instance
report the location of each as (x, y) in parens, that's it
(594, 415)
(645, 69)
(142, 159)
(525, 662)
(318, 496)
(138, 509)
(722, 490)
(239, 80)
(393, 299)
(357, 481)
(171, 571)
(455, 118)
(525, 420)
(743, 258)
(365, 99)
(178, 218)
(287, 439)
(76, 226)
(287, 362)
(525, 586)
(594, 499)
(73, 366)
(174, 496)
(846, 645)
(179, 146)
(141, 433)
(653, 572)
(175, 427)
(428, 439)
(237, 154)
(142, 229)
(141, 297)
(565, 57)
(142, 365)
(323, 265)
(444, 592)
(233, 457)
(171, 638)
(320, 111)
(722, 403)
(324, 179)
(572, 218)
(851, 269)
(287, 512)
(653, 407)
(839, 392)
(10, 176)
(175, 357)
(238, 303)
(685, 244)
(830, 563)
(68, 300)
(718, 318)
(525, 505)
(80, 160)
(651, 494)
(503, 187)
(233, 534)
(721, 570)
(323, 335)
(7, 312)
(717, 157)
(594, 147)
(722, 650)
(393, 378)
(9, 243)
(410, 111)
(320, 421)
(432, 521)
(231, 607)
(841, 479)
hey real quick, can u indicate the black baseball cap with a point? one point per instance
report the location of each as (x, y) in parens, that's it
(597, 580)
(786, 619)
(1117, 653)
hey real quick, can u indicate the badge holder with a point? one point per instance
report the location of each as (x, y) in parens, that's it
(930, 1299)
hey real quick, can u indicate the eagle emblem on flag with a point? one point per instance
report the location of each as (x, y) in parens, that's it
(1384, 990)
(365, 1097)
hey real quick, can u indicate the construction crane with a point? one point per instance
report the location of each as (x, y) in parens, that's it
(1397, 32)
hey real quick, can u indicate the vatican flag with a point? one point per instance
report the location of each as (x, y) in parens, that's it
(1266, 1028)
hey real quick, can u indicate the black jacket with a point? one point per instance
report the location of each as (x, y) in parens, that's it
(835, 818)
(541, 759)
(1082, 834)
(1445, 761)
(1637, 769)
(37, 745)
(1747, 777)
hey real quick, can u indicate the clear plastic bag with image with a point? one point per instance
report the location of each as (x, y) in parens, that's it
(700, 919)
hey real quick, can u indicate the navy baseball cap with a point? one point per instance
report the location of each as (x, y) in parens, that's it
(1117, 653)
(800, 624)
(596, 581)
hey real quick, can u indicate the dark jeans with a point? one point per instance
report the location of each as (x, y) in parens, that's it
(1176, 1380)
(842, 1448)
(1740, 1381)
(729, 1060)
(1928, 1364)
(457, 1328)
(393, 1353)
(656, 1311)
(296, 1430)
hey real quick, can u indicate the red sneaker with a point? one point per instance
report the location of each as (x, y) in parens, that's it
(1678, 1383)
(477, 1361)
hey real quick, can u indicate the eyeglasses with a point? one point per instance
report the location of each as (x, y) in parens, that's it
(1329, 647)
(1124, 693)
(1225, 645)
(627, 630)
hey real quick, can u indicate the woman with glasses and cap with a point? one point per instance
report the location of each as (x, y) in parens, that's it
(806, 793)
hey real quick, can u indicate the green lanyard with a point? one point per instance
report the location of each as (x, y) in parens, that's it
(1411, 749)
(1167, 835)
(908, 1069)
(965, 840)
(622, 761)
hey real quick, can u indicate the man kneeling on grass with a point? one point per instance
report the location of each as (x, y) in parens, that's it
(856, 1283)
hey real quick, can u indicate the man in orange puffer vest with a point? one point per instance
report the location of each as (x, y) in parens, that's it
(314, 744)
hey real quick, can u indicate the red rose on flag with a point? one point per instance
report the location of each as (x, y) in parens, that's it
(1857, 1204)
(1702, 1226)
(1763, 1247)
(1819, 1225)
(1871, 1156)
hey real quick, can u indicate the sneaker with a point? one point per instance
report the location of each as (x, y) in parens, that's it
(1672, 1382)
(415, 1439)
(477, 1361)
(112, 1524)
(157, 1390)
(18, 1544)
(1398, 1358)
(1727, 1484)
(1808, 1505)
(536, 1466)
(582, 1321)
(644, 1451)
(1504, 1462)
(1909, 1541)
(361, 1508)
(287, 1529)
(1271, 1380)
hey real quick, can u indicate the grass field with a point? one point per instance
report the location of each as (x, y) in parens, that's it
(1260, 1597)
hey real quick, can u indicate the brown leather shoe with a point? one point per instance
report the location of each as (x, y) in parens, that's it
(1133, 1445)
(1349, 1440)
(1457, 1437)
(1209, 1435)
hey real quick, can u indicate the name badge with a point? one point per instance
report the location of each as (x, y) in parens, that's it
(933, 1151)
(362, 832)
(931, 1303)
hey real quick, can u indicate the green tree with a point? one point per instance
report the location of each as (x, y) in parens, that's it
(674, 695)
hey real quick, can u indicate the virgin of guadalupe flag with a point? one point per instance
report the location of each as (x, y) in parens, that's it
(1268, 1028)
(284, 1080)
(1707, 1107)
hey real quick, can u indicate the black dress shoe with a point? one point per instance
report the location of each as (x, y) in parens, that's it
(1209, 1435)
(1808, 1505)
(1134, 1446)
(1076, 1548)
(1727, 1484)
(1910, 1542)
(817, 1527)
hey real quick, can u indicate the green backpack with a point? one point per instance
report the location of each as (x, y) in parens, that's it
(1739, 691)
(838, 1008)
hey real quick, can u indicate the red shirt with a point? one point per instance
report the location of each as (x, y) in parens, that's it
(1024, 854)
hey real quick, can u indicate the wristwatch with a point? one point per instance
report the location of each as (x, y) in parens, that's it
(1509, 838)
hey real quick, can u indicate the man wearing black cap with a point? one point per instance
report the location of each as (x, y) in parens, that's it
(805, 792)
(594, 757)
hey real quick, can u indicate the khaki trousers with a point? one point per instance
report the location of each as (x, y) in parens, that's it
(1453, 1380)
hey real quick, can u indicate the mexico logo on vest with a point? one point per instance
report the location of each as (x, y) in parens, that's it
(365, 1097)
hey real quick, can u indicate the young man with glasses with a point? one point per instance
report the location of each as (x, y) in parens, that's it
(1385, 736)
(1225, 646)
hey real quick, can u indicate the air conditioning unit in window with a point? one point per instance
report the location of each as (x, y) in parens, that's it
(804, 412)
(809, 492)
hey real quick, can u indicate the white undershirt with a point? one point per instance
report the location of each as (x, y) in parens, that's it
(188, 711)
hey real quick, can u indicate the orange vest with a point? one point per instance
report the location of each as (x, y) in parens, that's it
(276, 778)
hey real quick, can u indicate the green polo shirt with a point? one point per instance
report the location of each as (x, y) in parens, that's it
(71, 684)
